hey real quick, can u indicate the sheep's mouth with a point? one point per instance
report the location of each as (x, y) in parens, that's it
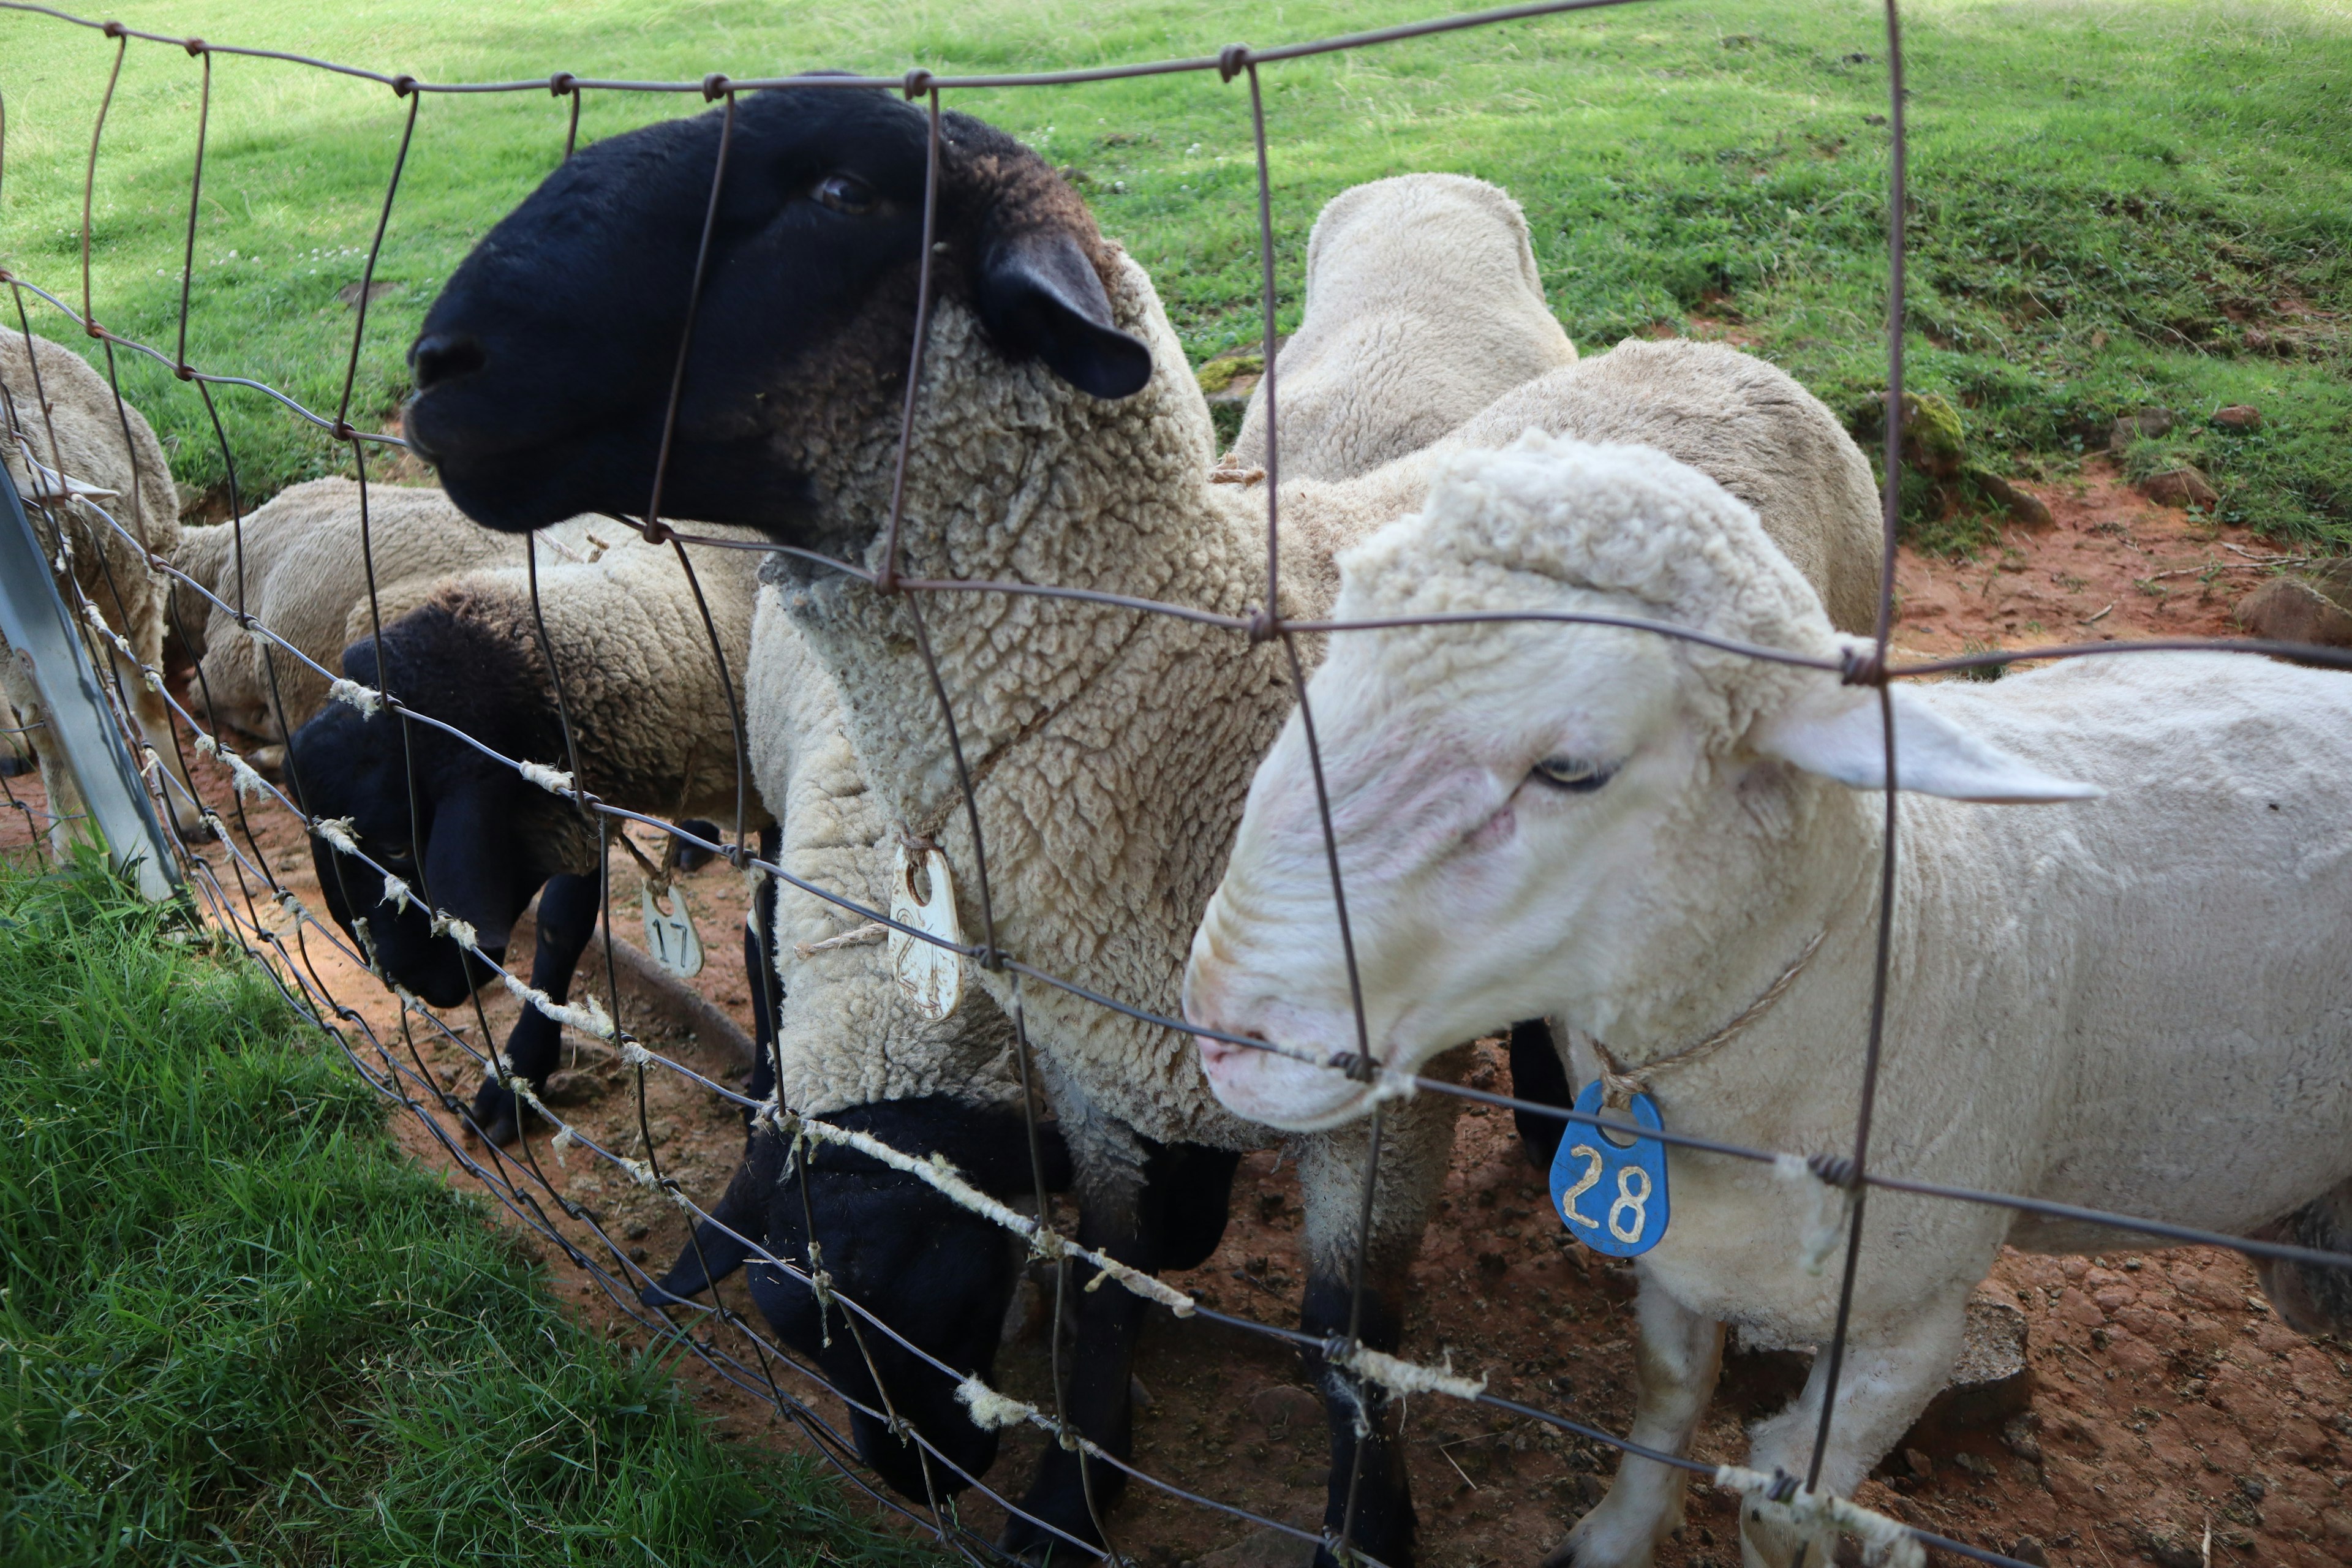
(519, 480)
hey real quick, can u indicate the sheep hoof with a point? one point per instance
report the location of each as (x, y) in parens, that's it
(496, 1117)
(1596, 1541)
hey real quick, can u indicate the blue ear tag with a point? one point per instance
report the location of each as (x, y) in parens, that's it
(1612, 1199)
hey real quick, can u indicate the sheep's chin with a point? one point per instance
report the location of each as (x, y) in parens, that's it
(1292, 1095)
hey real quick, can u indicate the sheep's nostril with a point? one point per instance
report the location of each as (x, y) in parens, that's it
(440, 357)
(1216, 1054)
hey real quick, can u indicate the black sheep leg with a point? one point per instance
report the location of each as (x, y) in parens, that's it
(1097, 1399)
(1383, 1522)
(567, 919)
(1178, 1218)
(1537, 1074)
(713, 1253)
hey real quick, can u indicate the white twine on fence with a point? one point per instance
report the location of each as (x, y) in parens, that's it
(1819, 1517)
(366, 698)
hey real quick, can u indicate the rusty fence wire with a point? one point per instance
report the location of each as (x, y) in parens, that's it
(277, 928)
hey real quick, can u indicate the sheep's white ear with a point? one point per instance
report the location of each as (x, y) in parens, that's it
(1839, 734)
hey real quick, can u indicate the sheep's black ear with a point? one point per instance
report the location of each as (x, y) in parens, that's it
(1039, 296)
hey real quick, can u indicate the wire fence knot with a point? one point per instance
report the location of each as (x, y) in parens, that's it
(918, 82)
(562, 83)
(1837, 1169)
(403, 84)
(1861, 666)
(194, 46)
(1232, 60)
(715, 87)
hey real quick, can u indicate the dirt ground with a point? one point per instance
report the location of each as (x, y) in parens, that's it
(2172, 1420)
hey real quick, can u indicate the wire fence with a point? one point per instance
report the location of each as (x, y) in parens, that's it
(278, 930)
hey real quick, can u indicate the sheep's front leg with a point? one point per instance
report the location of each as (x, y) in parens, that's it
(154, 717)
(1370, 1496)
(1677, 1356)
(567, 919)
(1095, 1396)
(1894, 1363)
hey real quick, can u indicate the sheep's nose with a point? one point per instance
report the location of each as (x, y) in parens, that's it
(441, 357)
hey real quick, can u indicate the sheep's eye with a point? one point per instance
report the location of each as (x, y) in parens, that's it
(844, 193)
(1571, 773)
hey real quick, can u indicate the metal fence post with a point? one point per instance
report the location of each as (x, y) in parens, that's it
(41, 631)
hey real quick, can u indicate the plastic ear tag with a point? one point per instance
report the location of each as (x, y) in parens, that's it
(1613, 1198)
(669, 934)
(931, 976)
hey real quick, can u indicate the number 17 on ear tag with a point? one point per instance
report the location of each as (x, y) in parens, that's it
(1613, 1196)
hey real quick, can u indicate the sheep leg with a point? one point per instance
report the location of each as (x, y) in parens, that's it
(1677, 1356)
(1894, 1363)
(1539, 1073)
(1095, 1399)
(1368, 1457)
(2311, 1299)
(154, 717)
(1153, 1207)
(567, 919)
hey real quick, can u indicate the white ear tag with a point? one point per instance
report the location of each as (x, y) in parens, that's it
(932, 977)
(669, 934)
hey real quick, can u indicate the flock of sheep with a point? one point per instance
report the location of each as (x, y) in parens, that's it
(2132, 999)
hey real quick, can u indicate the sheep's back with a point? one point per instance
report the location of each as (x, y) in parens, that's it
(1738, 419)
(1423, 305)
(74, 428)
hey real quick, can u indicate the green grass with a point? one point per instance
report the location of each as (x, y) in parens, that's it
(238, 1326)
(2116, 205)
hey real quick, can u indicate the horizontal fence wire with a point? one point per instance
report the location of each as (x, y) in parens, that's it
(274, 926)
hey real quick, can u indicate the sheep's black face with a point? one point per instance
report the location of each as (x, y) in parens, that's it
(544, 370)
(361, 768)
(940, 1276)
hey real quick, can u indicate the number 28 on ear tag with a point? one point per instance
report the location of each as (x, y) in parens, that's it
(930, 976)
(1611, 1196)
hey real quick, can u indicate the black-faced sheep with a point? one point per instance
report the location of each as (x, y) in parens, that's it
(649, 712)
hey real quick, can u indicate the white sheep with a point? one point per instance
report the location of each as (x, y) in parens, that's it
(63, 437)
(304, 577)
(1059, 440)
(2135, 1002)
(1423, 305)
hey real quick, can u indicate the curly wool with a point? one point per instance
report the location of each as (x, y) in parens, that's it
(1113, 750)
(847, 1035)
(62, 436)
(650, 716)
(304, 575)
(1423, 305)
(1613, 519)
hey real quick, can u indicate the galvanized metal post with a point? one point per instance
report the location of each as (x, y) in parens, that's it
(41, 630)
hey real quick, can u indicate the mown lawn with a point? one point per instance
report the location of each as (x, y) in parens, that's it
(2116, 205)
(238, 1326)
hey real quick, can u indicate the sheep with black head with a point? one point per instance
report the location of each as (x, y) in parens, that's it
(651, 717)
